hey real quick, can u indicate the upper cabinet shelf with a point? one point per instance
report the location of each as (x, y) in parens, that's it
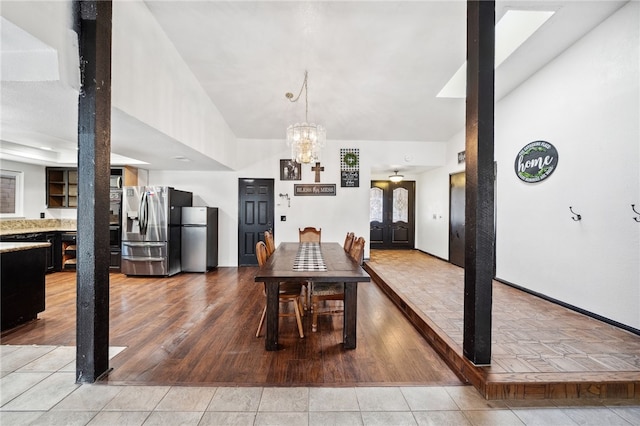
(62, 187)
(62, 184)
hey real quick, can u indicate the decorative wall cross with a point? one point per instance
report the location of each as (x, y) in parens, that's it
(317, 169)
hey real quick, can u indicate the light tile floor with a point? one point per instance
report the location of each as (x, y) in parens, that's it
(37, 387)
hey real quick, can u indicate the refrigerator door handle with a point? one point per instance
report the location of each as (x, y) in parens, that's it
(143, 259)
(142, 244)
(143, 211)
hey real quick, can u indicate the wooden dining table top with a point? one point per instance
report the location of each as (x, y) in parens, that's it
(340, 266)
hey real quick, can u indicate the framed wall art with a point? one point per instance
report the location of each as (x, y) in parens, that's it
(349, 167)
(290, 170)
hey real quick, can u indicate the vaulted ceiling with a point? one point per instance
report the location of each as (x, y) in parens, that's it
(375, 69)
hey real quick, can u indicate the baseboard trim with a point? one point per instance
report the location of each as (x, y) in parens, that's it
(570, 306)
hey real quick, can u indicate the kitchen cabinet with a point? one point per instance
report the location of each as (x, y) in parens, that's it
(68, 245)
(52, 252)
(22, 295)
(62, 184)
(62, 187)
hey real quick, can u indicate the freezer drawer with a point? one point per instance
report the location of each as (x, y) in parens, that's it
(144, 258)
(141, 266)
(136, 249)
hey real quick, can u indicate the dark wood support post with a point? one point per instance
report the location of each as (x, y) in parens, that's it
(93, 24)
(479, 191)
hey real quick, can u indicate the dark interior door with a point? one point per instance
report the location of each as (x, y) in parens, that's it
(392, 215)
(456, 218)
(256, 210)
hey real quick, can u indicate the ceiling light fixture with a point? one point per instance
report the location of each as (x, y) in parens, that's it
(396, 177)
(305, 139)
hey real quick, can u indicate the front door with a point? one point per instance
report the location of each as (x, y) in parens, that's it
(456, 218)
(392, 215)
(256, 210)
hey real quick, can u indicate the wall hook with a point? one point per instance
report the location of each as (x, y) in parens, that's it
(287, 197)
(637, 218)
(577, 217)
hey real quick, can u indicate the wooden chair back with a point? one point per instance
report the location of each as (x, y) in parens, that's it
(309, 235)
(348, 241)
(268, 240)
(261, 252)
(357, 250)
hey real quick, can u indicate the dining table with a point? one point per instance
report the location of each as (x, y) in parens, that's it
(311, 263)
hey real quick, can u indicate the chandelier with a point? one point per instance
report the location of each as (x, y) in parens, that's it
(305, 139)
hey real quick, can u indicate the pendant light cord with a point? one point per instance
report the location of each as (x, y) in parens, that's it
(289, 96)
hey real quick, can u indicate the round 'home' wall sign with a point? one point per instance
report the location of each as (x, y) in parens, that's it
(536, 161)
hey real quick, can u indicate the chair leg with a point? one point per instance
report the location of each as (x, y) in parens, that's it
(307, 296)
(296, 302)
(314, 322)
(264, 313)
(301, 306)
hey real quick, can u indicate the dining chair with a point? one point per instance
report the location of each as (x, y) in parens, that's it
(333, 291)
(288, 293)
(309, 234)
(268, 240)
(322, 292)
(348, 241)
(357, 250)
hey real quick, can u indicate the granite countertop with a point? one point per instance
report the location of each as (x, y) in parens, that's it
(28, 226)
(35, 230)
(11, 247)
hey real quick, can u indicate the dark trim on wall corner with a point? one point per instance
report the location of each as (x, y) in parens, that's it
(433, 255)
(572, 307)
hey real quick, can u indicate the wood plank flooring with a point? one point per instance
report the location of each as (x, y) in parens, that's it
(539, 349)
(199, 329)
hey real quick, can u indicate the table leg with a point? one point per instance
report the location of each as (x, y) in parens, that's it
(350, 314)
(273, 307)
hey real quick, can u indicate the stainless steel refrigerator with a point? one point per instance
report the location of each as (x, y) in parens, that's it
(151, 216)
(199, 238)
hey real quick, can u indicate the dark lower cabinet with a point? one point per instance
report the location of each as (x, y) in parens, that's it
(22, 294)
(53, 252)
(61, 255)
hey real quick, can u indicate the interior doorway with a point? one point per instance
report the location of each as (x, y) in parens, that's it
(255, 215)
(392, 214)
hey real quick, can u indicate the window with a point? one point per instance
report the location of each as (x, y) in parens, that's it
(375, 204)
(400, 205)
(10, 193)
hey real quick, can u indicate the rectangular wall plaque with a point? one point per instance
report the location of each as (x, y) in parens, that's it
(349, 179)
(315, 189)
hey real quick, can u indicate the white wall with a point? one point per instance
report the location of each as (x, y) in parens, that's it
(432, 199)
(35, 193)
(55, 33)
(336, 215)
(347, 211)
(151, 83)
(586, 103)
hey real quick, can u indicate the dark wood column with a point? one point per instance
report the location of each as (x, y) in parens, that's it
(93, 23)
(479, 207)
